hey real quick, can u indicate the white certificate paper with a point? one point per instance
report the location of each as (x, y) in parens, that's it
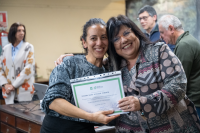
(99, 92)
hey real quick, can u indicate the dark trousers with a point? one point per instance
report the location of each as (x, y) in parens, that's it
(57, 125)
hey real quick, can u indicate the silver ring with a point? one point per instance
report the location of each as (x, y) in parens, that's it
(128, 106)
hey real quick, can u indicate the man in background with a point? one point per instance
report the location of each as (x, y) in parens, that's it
(187, 50)
(147, 17)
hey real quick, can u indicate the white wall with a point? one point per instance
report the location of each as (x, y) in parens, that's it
(54, 26)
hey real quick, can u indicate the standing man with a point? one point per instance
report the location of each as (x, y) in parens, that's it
(147, 17)
(187, 50)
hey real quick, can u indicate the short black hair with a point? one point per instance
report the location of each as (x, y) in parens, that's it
(148, 9)
(113, 27)
(12, 32)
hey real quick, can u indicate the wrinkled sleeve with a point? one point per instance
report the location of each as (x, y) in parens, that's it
(185, 53)
(174, 85)
(59, 85)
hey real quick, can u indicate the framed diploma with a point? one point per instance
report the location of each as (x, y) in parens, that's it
(98, 92)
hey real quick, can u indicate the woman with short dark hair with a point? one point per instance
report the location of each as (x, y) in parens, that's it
(154, 83)
(17, 66)
(12, 33)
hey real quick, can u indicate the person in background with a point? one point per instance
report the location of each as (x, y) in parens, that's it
(187, 50)
(147, 17)
(58, 102)
(17, 66)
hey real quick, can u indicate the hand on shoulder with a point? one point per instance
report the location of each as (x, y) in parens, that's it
(60, 59)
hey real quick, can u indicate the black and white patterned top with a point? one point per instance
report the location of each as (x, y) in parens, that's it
(59, 83)
(159, 81)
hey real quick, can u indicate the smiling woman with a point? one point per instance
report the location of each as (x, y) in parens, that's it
(125, 39)
(126, 43)
(96, 44)
(58, 102)
(154, 82)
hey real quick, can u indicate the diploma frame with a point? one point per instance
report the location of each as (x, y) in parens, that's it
(105, 77)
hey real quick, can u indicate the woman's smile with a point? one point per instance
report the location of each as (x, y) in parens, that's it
(99, 49)
(127, 46)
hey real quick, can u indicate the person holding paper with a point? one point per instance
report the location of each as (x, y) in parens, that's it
(61, 113)
(17, 67)
(154, 82)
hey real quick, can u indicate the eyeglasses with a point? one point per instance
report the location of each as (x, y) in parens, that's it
(144, 18)
(126, 33)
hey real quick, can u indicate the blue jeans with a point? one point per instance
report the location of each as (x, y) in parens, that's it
(198, 111)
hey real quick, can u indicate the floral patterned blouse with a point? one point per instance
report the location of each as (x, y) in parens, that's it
(159, 81)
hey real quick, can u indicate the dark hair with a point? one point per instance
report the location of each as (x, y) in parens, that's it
(113, 27)
(148, 9)
(92, 21)
(12, 32)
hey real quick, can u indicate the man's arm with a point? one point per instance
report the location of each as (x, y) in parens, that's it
(185, 53)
